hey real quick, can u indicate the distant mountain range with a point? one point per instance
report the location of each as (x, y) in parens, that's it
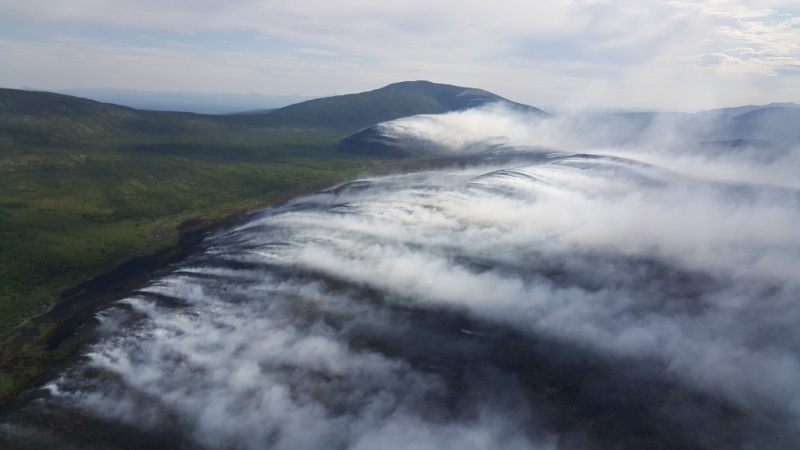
(357, 111)
(411, 97)
(775, 122)
(354, 114)
(185, 101)
(739, 110)
(350, 112)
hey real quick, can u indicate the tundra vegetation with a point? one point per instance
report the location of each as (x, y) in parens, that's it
(85, 186)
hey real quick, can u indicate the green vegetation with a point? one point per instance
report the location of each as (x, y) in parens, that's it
(62, 221)
(353, 112)
(85, 186)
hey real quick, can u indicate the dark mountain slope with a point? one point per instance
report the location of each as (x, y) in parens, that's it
(357, 111)
(34, 117)
(774, 123)
(44, 118)
(46, 104)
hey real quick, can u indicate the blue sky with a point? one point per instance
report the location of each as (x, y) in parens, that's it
(659, 54)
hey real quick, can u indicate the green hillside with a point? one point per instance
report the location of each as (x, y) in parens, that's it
(85, 186)
(353, 112)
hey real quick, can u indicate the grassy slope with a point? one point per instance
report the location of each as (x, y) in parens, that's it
(353, 112)
(85, 186)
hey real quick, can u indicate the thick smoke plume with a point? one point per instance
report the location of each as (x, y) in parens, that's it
(579, 297)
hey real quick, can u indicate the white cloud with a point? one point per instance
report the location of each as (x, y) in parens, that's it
(546, 53)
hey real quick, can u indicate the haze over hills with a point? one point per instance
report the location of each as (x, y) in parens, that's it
(774, 126)
(354, 112)
(738, 110)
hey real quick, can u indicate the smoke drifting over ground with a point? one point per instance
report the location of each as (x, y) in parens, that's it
(567, 299)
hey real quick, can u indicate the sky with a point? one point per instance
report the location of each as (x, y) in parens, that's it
(676, 54)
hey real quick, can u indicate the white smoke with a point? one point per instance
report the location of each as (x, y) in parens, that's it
(468, 130)
(675, 141)
(406, 311)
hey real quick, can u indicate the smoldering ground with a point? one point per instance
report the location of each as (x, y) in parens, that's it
(565, 300)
